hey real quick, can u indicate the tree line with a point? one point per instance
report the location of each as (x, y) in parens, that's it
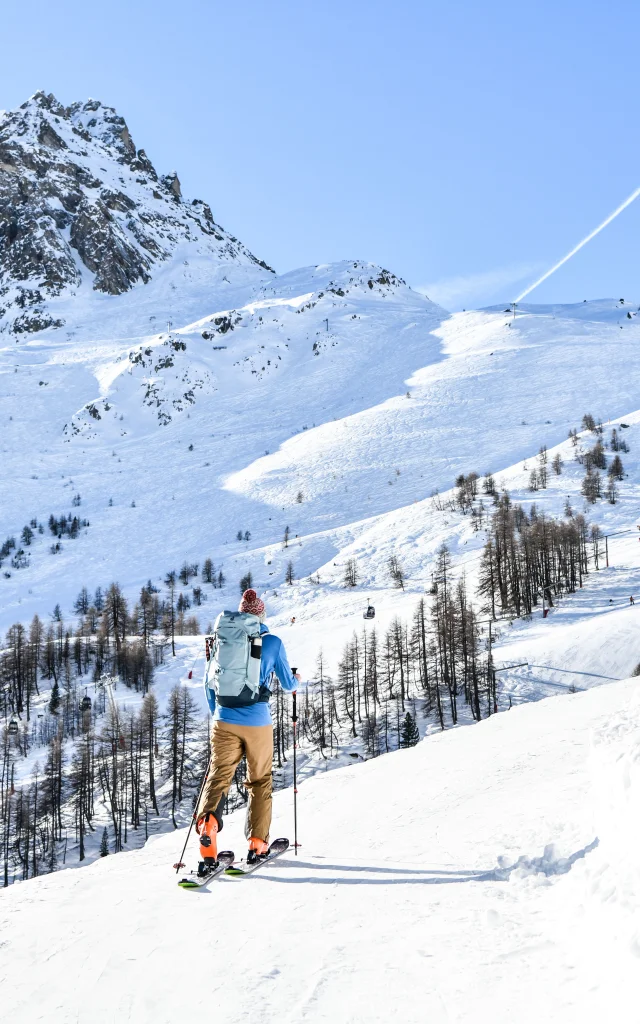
(140, 765)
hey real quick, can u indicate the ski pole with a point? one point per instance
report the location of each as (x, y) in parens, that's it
(193, 818)
(295, 771)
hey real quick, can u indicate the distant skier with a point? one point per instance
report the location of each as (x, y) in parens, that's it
(242, 656)
(631, 601)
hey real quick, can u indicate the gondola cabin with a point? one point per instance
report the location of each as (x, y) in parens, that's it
(85, 703)
(370, 612)
(13, 727)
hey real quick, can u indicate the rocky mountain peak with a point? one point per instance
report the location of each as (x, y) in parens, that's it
(80, 206)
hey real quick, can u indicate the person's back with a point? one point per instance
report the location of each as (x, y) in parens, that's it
(243, 729)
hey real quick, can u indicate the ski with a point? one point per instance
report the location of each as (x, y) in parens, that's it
(196, 879)
(277, 848)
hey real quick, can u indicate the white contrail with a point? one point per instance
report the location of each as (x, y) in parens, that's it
(612, 216)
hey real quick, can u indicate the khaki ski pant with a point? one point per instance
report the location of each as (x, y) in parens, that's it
(228, 745)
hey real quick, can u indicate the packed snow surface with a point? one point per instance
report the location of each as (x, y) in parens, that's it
(489, 874)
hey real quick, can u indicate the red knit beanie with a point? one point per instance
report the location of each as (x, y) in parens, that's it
(251, 603)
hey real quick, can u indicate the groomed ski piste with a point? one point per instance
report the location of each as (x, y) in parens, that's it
(489, 874)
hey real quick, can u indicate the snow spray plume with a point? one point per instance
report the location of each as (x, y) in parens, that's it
(584, 241)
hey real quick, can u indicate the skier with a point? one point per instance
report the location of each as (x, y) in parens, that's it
(631, 601)
(244, 729)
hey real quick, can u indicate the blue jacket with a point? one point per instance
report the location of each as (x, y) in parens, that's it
(273, 659)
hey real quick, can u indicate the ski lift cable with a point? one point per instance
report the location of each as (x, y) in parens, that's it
(634, 195)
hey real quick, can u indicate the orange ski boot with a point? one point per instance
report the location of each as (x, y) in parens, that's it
(207, 829)
(258, 850)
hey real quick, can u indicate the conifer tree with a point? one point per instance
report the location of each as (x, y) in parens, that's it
(396, 572)
(616, 469)
(351, 573)
(588, 422)
(54, 701)
(409, 734)
(170, 583)
(81, 606)
(104, 843)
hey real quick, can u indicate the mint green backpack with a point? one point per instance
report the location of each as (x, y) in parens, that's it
(233, 656)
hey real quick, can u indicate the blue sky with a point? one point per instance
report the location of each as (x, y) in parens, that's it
(464, 146)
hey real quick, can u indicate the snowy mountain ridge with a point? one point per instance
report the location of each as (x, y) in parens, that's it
(81, 206)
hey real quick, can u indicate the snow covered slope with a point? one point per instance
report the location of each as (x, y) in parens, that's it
(395, 398)
(324, 400)
(587, 638)
(496, 392)
(164, 419)
(487, 875)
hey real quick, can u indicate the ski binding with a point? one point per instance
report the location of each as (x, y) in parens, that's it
(204, 874)
(247, 867)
